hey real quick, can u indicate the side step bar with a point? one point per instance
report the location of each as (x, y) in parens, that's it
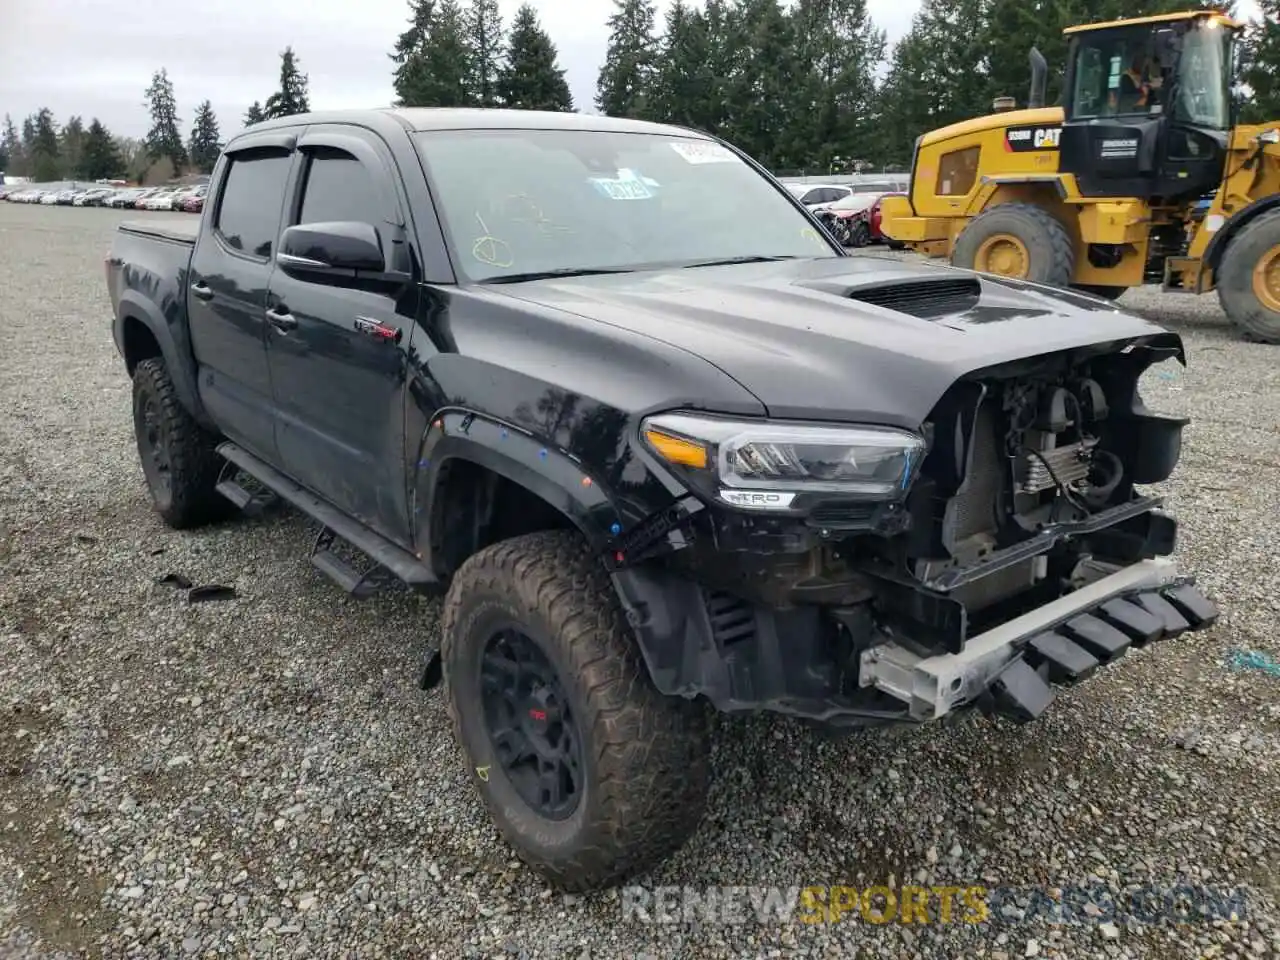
(334, 524)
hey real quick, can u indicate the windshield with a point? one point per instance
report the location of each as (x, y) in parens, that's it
(1204, 77)
(529, 201)
(1123, 73)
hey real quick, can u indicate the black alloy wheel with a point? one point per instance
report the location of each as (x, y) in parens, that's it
(531, 726)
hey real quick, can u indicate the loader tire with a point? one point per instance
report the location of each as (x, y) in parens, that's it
(1248, 279)
(1019, 241)
(591, 774)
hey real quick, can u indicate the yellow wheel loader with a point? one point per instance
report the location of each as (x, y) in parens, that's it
(1140, 176)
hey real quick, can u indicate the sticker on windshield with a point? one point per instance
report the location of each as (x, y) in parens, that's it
(700, 151)
(627, 186)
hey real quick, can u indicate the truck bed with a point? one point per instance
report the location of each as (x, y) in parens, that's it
(176, 230)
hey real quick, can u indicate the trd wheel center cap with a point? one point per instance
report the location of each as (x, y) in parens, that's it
(540, 716)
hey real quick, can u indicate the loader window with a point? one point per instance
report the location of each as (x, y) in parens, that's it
(1116, 74)
(957, 172)
(1204, 77)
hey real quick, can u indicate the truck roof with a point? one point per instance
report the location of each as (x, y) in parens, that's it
(474, 118)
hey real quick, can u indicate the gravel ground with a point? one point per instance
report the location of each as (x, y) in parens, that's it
(262, 777)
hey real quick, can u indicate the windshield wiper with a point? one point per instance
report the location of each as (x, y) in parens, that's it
(551, 274)
(750, 258)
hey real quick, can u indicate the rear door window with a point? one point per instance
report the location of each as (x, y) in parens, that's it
(249, 210)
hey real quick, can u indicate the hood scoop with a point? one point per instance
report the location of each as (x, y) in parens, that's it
(927, 298)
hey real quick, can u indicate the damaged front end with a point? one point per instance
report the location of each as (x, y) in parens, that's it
(1005, 548)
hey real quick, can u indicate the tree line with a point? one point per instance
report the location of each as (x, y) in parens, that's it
(44, 151)
(803, 85)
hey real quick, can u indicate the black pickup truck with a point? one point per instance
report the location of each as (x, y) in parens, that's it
(657, 438)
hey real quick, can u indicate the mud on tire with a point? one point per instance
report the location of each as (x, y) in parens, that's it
(644, 757)
(178, 456)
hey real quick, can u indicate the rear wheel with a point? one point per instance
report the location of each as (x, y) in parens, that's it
(178, 456)
(1248, 279)
(1020, 241)
(590, 773)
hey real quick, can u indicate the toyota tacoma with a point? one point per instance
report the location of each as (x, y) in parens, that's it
(654, 460)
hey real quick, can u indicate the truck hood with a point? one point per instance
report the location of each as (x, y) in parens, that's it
(871, 339)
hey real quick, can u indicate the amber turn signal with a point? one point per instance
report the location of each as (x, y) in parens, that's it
(677, 450)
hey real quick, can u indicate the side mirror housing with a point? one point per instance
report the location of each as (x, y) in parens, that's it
(339, 248)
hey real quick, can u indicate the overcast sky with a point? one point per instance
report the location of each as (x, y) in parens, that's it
(96, 59)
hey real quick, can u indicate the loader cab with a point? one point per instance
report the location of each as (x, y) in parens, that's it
(1147, 105)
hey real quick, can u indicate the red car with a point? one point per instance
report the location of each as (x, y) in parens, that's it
(855, 220)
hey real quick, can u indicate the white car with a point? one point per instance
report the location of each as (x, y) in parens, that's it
(48, 199)
(162, 200)
(815, 194)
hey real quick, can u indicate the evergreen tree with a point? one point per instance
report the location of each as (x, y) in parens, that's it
(43, 148)
(624, 83)
(11, 147)
(485, 47)
(254, 114)
(1262, 73)
(410, 51)
(291, 98)
(71, 147)
(164, 140)
(100, 158)
(433, 58)
(532, 78)
(683, 80)
(762, 81)
(206, 141)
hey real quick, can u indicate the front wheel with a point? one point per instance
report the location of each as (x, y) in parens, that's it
(859, 234)
(1249, 279)
(590, 773)
(1017, 240)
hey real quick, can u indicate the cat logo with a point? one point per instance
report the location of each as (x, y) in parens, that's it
(1026, 139)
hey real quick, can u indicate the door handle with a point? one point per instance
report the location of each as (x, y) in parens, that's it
(201, 290)
(284, 322)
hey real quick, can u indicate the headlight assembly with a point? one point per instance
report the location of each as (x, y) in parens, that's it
(766, 465)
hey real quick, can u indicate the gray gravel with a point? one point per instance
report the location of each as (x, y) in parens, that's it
(261, 776)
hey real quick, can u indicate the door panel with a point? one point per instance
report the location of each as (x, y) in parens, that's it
(227, 294)
(338, 386)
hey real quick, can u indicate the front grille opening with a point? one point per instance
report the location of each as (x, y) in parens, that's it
(924, 298)
(732, 619)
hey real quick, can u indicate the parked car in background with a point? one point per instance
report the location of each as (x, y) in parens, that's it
(194, 201)
(49, 198)
(855, 220)
(815, 194)
(129, 198)
(93, 198)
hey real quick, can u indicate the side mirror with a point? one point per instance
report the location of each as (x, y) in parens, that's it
(340, 247)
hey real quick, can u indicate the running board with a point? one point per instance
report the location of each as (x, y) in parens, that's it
(334, 524)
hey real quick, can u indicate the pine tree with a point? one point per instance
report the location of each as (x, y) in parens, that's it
(433, 57)
(410, 51)
(43, 148)
(71, 147)
(485, 46)
(1262, 75)
(206, 141)
(683, 78)
(532, 78)
(291, 98)
(11, 146)
(100, 159)
(254, 114)
(624, 83)
(164, 140)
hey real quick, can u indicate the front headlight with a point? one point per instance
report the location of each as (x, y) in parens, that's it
(762, 465)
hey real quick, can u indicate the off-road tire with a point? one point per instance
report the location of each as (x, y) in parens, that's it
(1051, 254)
(645, 756)
(1235, 279)
(189, 499)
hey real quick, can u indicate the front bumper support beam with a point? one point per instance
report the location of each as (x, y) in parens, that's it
(1009, 669)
